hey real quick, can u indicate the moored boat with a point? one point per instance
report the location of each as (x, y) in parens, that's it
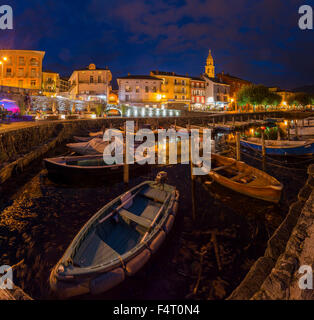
(240, 177)
(117, 241)
(281, 147)
(87, 169)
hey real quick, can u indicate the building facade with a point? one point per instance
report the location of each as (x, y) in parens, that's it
(21, 68)
(236, 84)
(50, 83)
(64, 84)
(175, 90)
(90, 84)
(285, 94)
(217, 92)
(198, 93)
(140, 90)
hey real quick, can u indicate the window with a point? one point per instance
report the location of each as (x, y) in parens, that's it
(183, 82)
(127, 97)
(176, 97)
(128, 89)
(99, 79)
(154, 89)
(91, 79)
(183, 90)
(33, 83)
(21, 61)
(137, 89)
(34, 62)
(146, 89)
(20, 83)
(20, 72)
(183, 97)
(33, 72)
(9, 72)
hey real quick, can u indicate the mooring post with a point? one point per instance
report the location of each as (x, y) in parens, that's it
(126, 172)
(288, 128)
(192, 182)
(263, 145)
(238, 146)
(189, 125)
(296, 129)
(175, 124)
(136, 125)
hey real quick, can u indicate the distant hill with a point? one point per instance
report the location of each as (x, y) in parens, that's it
(307, 89)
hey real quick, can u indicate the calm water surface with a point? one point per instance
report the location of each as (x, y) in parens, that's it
(40, 218)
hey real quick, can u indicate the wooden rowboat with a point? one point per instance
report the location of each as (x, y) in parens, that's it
(90, 168)
(247, 180)
(282, 147)
(117, 241)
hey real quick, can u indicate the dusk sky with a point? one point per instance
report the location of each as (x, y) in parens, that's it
(258, 40)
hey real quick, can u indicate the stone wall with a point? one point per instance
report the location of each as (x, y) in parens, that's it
(275, 275)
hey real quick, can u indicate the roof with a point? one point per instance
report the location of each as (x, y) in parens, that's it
(49, 71)
(168, 74)
(197, 79)
(230, 76)
(216, 80)
(92, 67)
(139, 77)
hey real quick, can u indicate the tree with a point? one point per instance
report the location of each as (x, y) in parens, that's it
(258, 95)
(100, 109)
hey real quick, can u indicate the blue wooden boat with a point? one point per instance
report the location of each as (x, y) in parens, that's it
(281, 148)
(117, 241)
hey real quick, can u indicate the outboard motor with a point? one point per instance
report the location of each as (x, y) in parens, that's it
(161, 178)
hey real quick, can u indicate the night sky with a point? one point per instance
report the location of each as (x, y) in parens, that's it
(258, 40)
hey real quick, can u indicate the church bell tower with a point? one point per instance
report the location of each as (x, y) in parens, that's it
(210, 68)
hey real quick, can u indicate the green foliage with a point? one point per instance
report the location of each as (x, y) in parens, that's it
(123, 109)
(258, 95)
(100, 109)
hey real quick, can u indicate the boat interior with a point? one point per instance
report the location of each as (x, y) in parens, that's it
(236, 172)
(122, 227)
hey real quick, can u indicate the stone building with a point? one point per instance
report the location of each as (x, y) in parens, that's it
(175, 90)
(236, 84)
(21, 68)
(50, 83)
(90, 83)
(217, 92)
(140, 90)
(197, 93)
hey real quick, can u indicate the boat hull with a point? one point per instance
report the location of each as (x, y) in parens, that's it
(98, 281)
(88, 175)
(270, 192)
(303, 150)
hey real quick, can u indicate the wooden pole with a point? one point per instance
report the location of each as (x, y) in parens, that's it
(175, 124)
(288, 129)
(192, 184)
(238, 146)
(296, 129)
(263, 145)
(126, 172)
